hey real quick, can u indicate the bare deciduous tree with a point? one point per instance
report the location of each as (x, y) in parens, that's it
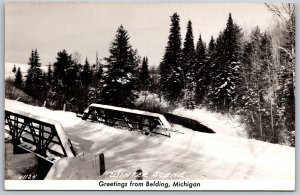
(287, 13)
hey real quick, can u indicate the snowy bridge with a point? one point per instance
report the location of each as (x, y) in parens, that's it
(147, 122)
(41, 136)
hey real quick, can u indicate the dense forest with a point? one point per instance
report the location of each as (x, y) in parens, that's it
(250, 74)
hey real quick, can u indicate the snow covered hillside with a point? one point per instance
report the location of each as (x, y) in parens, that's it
(187, 154)
(221, 124)
(24, 67)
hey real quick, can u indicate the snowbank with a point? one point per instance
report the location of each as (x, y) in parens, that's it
(186, 155)
(222, 124)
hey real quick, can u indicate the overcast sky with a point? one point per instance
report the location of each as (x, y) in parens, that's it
(89, 28)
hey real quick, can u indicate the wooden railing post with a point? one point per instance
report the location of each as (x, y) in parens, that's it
(101, 163)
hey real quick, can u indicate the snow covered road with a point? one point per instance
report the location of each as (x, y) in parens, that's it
(187, 154)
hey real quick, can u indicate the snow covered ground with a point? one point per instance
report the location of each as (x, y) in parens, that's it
(186, 155)
(221, 124)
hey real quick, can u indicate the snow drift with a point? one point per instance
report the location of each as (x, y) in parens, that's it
(221, 124)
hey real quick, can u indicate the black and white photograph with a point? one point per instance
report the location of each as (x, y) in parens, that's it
(149, 96)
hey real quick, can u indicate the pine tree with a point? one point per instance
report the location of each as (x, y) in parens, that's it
(120, 80)
(188, 51)
(96, 72)
(86, 73)
(218, 73)
(67, 87)
(228, 66)
(44, 87)
(202, 71)
(144, 77)
(211, 72)
(171, 72)
(188, 65)
(97, 75)
(246, 74)
(251, 99)
(33, 79)
(49, 76)
(14, 69)
(62, 67)
(19, 79)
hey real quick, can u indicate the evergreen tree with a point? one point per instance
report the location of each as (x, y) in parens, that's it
(67, 86)
(19, 79)
(119, 84)
(219, 74)
(228, 65)
(86, 74)
(251, 101)
(171, 72)
(188, 65)
(34, 74)
(44, 87)
(14, 69)
(211, 72)
(144, 77)
(188, 51)
(247, 75)
(96, 72)
(97, 75)
(237, 69)
(202, 71)
(63, 67)
(49, 76)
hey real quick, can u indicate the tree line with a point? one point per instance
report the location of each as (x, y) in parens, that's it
(250, 75)
(68, 82)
